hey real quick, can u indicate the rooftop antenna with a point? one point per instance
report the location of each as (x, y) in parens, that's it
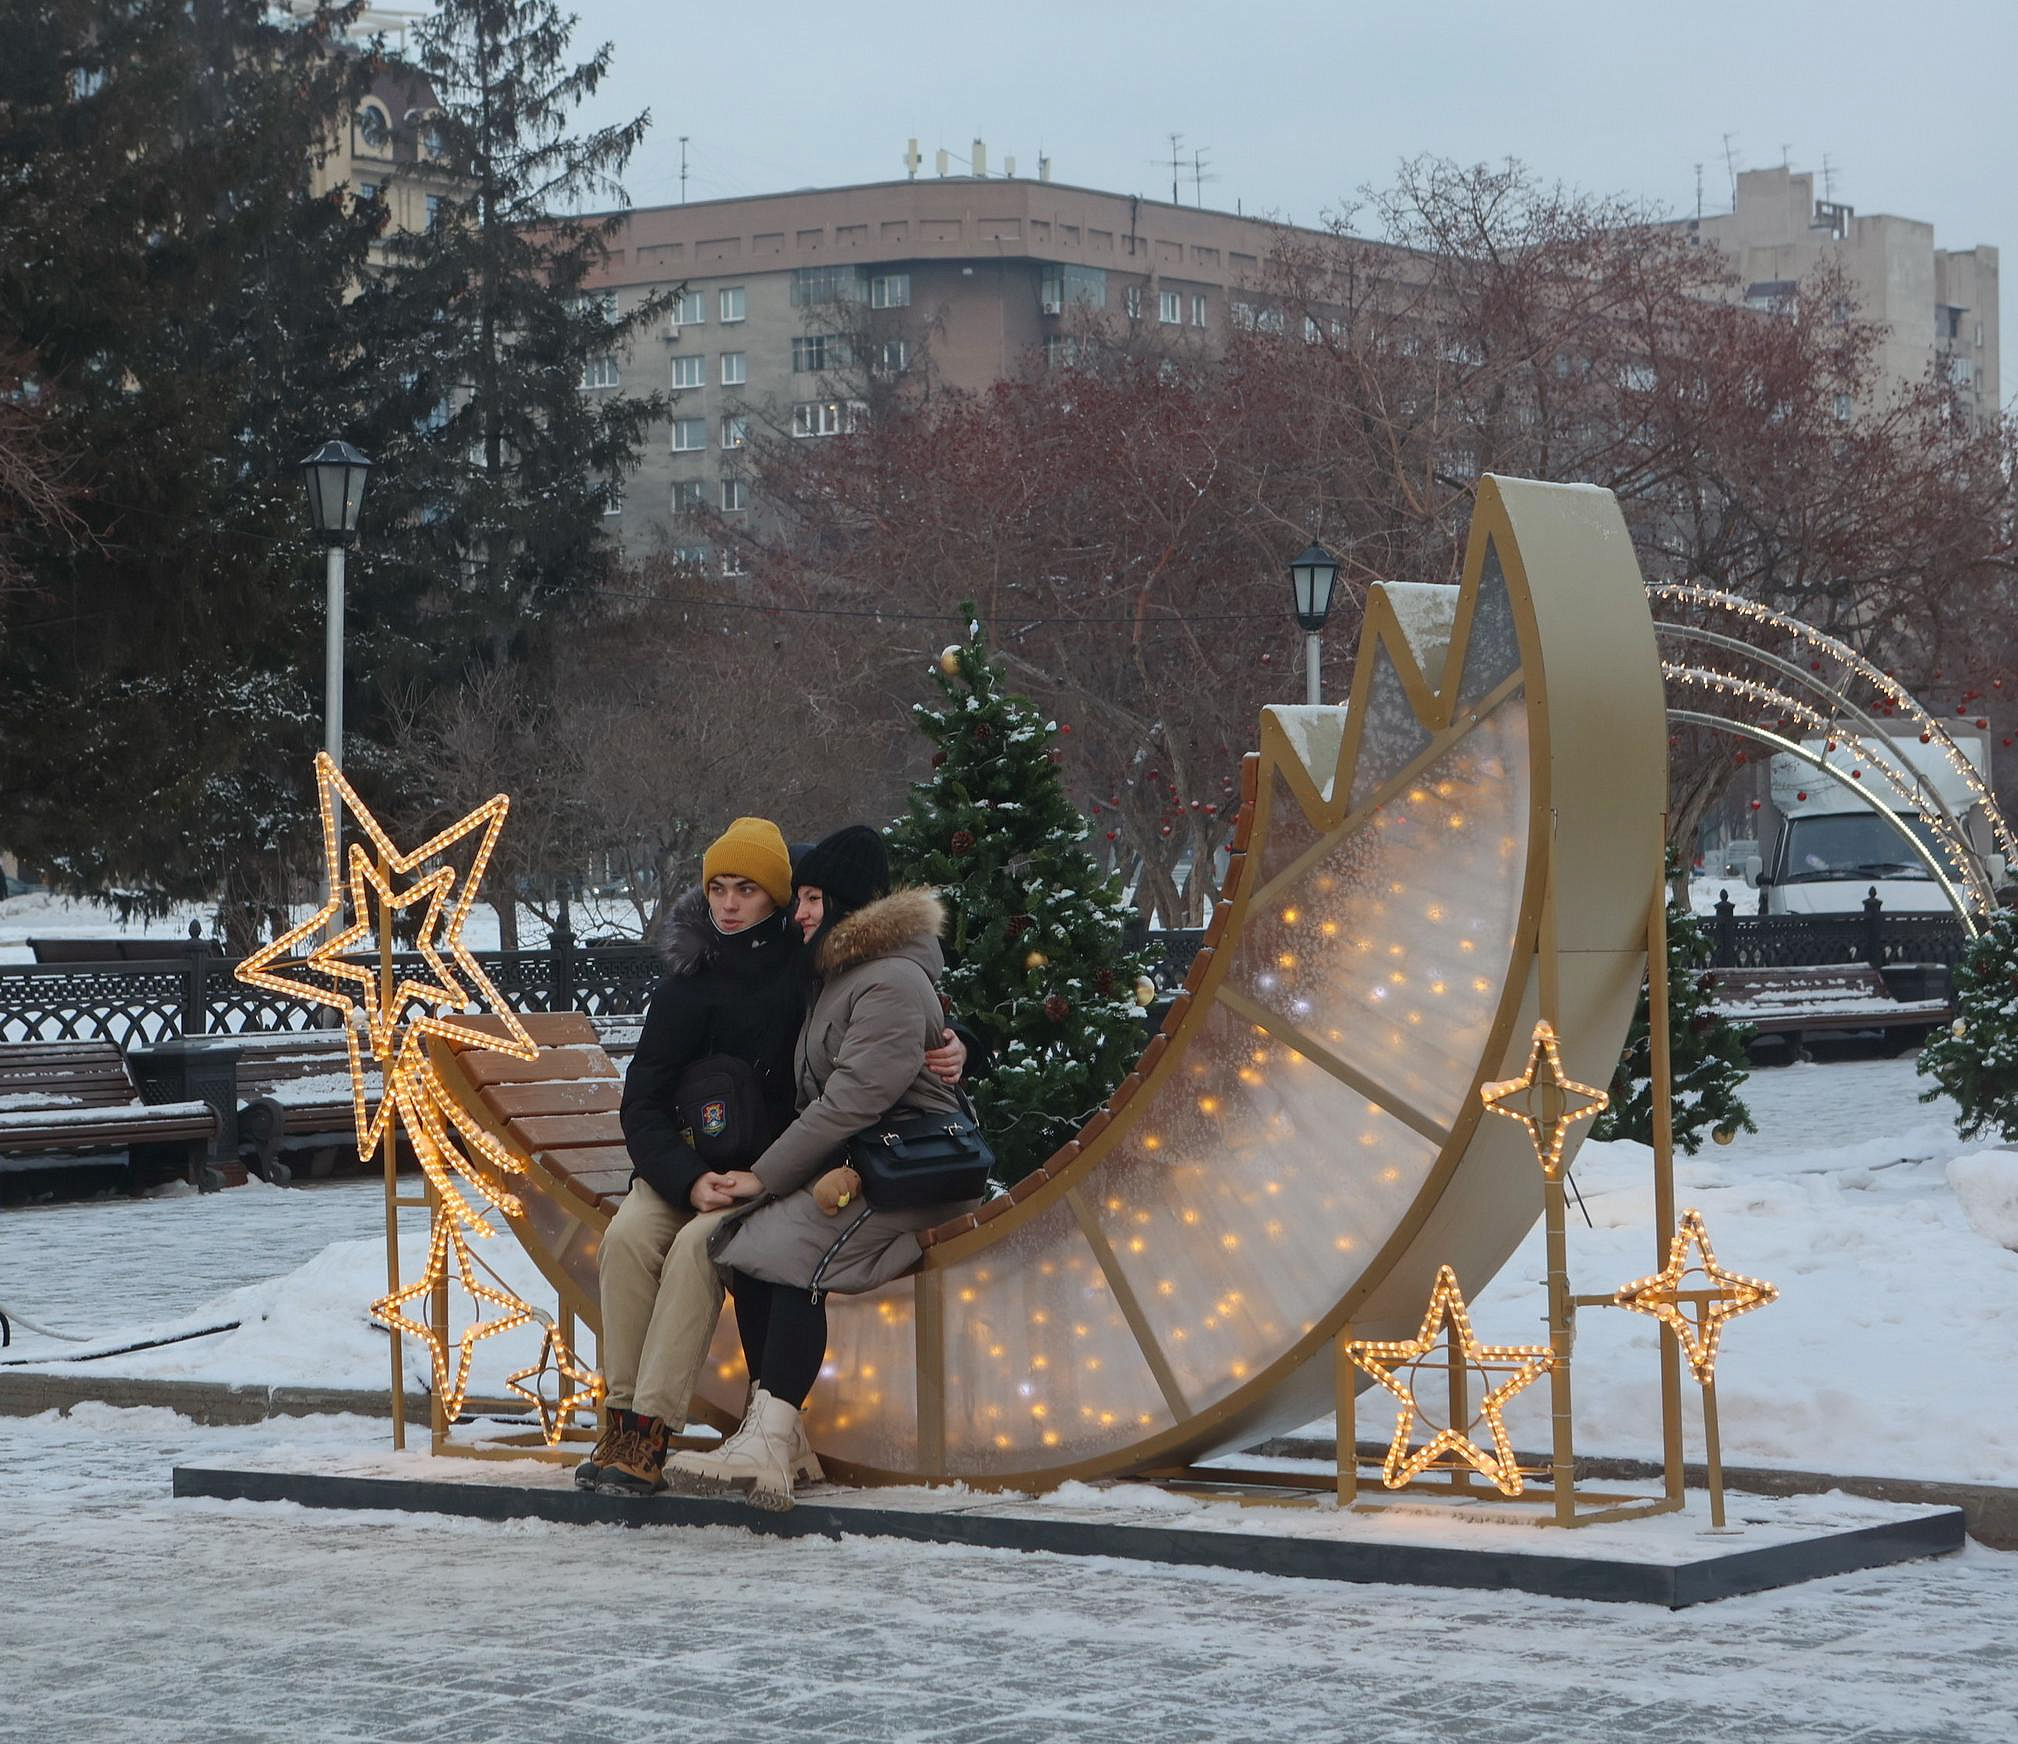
(1176, 142)
(978, 163)
(1200, 175)
(1043, 167)
(1786, 155)
(911, 159)
(1731, 168)
(1828, 178)
(683, 169)
(943, 156)
(1699, 190)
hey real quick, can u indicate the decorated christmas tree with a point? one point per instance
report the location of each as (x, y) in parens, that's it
(1976, 1062)
(1038, 968)
(1706, 1054)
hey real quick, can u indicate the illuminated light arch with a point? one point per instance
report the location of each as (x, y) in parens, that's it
(1840, 721)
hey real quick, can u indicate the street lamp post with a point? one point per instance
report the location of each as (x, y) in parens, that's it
(335, 477)
(1311, 575)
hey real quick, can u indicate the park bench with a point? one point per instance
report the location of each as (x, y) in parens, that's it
(1817, 998)
(76, 1101)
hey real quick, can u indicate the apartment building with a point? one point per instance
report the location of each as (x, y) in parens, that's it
(1937, 305)
(787, 294)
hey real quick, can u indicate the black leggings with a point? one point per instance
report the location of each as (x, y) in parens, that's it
(784, 1333)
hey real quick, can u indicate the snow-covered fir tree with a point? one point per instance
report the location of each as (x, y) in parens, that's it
(1976, 1061)
(1706, 1053)
(1039, 968)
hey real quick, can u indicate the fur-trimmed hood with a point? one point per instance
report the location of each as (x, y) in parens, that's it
(906, 923)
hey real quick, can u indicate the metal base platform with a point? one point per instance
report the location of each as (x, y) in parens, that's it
(1673, 1562)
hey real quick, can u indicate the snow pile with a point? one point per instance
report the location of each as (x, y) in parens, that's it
(1315, 732)
(1427, 612)
(1987, 1185)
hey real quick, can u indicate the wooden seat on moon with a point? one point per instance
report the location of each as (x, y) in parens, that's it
(1302, 1144)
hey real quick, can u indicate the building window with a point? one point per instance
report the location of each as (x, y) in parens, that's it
(434, 206)
(1197, 308)
(1061, 350)
(689, 434)
(613, 501)
(812, 285)
(1269, 321)
(890, 291)
(1312, 332)
(735, 431)
(1059, 287)
(814, 352)
(603, 303)
(735, 495)
(893, 357)
(735, 368)
(691, 556)
(1243, 317)
(599, 372)
(827, 417)
(689, 496)
(1131, 302)
(367, 190)
(690, 309)
(735, 304)
(373, 129)
(690, 372)
(732, 561)
(1170, 308)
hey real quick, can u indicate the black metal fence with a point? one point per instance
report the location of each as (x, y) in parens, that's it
(1870, 935)
(138, 1003)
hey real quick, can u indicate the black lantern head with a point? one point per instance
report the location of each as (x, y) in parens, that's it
(335, 475)
(1310, 579)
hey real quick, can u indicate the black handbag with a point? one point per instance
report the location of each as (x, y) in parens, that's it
(721, 1104)
(916, 1156)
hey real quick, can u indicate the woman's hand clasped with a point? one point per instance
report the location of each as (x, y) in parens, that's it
(717, 1190)
(947, 1061)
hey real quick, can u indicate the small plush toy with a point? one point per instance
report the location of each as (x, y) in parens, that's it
(837, 1188)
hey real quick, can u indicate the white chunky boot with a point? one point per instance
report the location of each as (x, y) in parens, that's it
(758, 1460)
(805, 1462)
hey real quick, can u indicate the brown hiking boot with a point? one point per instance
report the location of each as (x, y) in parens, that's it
(637, 1463)
(616, 1423)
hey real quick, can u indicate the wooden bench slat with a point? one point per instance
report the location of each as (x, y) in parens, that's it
(557, 1131)
(485, 1067)
(551, 1029)
(557, 1096)
(585, 1159)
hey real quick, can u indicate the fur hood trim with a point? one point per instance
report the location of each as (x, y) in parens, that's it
(884, 928)
(688, 933)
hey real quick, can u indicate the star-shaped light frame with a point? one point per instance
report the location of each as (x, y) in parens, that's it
(1563, 1101)
(1445, 1320)
(1728, 1295)
(588, 1385)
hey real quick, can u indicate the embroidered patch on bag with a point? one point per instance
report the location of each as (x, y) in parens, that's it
(714, 1118)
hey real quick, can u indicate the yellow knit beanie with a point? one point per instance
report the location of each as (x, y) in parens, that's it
(752, 848)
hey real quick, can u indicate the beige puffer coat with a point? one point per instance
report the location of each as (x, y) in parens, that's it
(861, 1053)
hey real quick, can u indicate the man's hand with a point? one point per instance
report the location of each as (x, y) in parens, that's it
(718, 1190)
(947, 1061)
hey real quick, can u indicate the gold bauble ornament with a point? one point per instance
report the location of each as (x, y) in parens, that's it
(1958, 1029)
(1036, 960)
(1145, 990)
(1724, 1134)
(949, 659)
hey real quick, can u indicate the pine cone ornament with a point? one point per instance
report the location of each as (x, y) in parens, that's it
(1056, 1008)
(938, 759)
(1018, 923)
(1103, 981)
(983, 731)
(962, 842)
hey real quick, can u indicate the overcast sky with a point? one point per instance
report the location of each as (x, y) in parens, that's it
(1296, 103)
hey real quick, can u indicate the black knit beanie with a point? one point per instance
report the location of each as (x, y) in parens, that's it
(850, 868)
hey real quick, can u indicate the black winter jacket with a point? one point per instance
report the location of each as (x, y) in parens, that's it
(724, 993)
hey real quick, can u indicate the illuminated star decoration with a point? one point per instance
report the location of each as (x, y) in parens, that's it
(1726, 1296)
(588, 1385)
(454, 1152)
(1445, 1321)
(1545, 1100)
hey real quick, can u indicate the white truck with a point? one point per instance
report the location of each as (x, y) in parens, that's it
(1824, 848)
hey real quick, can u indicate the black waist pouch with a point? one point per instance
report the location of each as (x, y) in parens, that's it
(721, 1104)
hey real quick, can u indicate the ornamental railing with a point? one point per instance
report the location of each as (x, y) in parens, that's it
(1868, 935)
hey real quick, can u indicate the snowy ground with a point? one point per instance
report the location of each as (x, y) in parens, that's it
(1893, 1350)
(130, 1616)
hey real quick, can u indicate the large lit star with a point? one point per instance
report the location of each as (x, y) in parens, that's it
(1726, 1297)
(1545, 1100)
(1445, 1321)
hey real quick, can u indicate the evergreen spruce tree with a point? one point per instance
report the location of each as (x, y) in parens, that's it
(1976, 1061)
(494, 479)
(1706, 1053)
(1038, 966)
(180, 291)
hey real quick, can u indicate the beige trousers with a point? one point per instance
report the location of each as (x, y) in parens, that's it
(661, 1297)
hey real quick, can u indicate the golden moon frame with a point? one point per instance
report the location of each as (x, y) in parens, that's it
(1467, 848)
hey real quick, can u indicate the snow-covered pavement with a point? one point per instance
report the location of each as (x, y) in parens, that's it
(129, 1616)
